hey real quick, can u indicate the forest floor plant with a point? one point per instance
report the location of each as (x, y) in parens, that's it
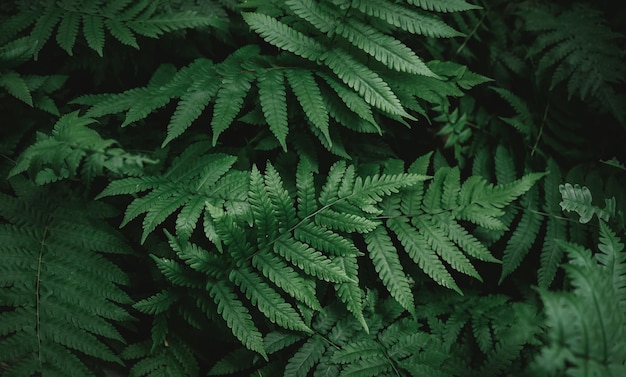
(312, 188)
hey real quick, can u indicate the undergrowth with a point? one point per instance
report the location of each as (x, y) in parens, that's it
(312, 188)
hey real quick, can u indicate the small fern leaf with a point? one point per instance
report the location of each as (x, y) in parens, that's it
(273, 98)
(364, 81)
(307, 203)
(191, 105)
(305, 357)
(407, 19)
(121, 32)
(267, 300)
(353, 101)
(93, 29)
(578, 199)
(309, 260)
(524, 235)
(229, 101)
(310, 98)
(421, 253)
(14, 83)
(68, 30)
(265, 219)
(387, 50)
(285, 277)
(433, 231)
(613, 258)
(43, 27)
(444, 6)
(387, 264)
(237, 317)
(156, 304)
(324, 240)
(159, 210)
(344, 222)
(350, 293)
(283, 36)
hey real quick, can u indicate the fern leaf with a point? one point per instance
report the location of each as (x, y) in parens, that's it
(523, 236)
(444, 6)
(363, 80)
(613, 258)
(578, 199)
(156, 304)
(237, 317)
(80, 318)
(159, 210)
(93, 28)
(307, 203)
(350, 293)
(121, 32)
(374, 187)
(407, 19)
(387, 265)
(551, 252)
(421, 253)
(68, 30)
(344, 222)
(191, 105)
(273, 100)
(387, 50)
(278, 272)
(324, 240)
(229, 101)
(267, 300)
(43, 27)
(303, 360)
(352, 100)
(14, 83)
(437, 239)
(283, 36)
(309, 260)
(310, 98)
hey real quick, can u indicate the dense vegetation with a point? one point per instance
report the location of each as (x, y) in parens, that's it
(312, 188)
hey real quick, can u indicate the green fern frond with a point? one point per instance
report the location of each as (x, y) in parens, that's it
(173, 357)
(201, 182)
(306, 357)
(267, 300)
(524, 235)
(579, 46)
(387, 265)
(229, 101)
(613, 259)
(237, 317)
(191, 106)
(285, 277)
(364, 81)
(444, 6)
(406, 19)
(586, 324)
(309, 260)
(273, 98)
(53, 307)
(309, 96)
(122, 20)
(283, 36)
(578, 199)
(60, 155)
(383, 48)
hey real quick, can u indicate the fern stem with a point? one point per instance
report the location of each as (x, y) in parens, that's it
(471, 34)
(38, 296)
(543, 123)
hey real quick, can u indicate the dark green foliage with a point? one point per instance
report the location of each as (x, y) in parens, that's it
(312, 188)
(61, 293)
